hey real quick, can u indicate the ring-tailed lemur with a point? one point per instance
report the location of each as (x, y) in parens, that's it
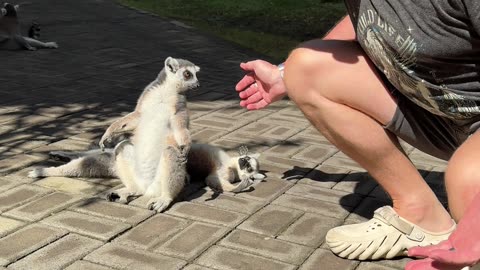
(154, 163)
(221, 171)
(10, 35)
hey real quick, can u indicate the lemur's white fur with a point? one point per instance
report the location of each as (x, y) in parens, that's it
(10, 35)
(221, 171)
(154, 165)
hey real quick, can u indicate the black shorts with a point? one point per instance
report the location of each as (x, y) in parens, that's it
(430, 133)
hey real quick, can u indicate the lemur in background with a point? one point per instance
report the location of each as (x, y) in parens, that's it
(10, 35)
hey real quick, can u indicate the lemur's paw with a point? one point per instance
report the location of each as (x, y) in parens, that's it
(36, 173)
(52, 45)
(158, 204)
(115, 197)
(30, 48)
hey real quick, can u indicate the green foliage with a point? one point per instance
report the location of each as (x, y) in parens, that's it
(272, 27)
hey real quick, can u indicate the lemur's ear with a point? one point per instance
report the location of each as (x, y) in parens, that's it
(259, 176)
(16, 7)
(197, 68)
(171, 64)
(3, 11)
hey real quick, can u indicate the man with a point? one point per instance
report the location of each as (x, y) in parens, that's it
(389, 71)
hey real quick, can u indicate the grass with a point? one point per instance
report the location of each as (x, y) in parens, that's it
(270, 27)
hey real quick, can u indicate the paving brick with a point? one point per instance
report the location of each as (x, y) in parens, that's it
(310, 230)
(20, 195)
(313, 206)
(267, 190)
(58, 254)
(193, 240)
(324, 176)
(397, 263)
(316, 153)
(127, 258)
(267, 247)
(357, 182)
(115, 211)
(154, 231)
(226, 201)
(222, 258)
(270, 220)
(287, 149)
(206, 214)
(17, 162)
(7, 183)
(289, 163)
(420, 157)
(195, 267)
(8, 225)
(324, 259)
(71, 185)
(343, 163)
(85, 265)
(374, 266)
(44, 206)
(325, 194)
(26, 240)
(99, 228)
(277, 171)
(63, 145)
(207, 135)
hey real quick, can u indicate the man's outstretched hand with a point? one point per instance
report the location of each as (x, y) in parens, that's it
(261, 85)
(461, 249)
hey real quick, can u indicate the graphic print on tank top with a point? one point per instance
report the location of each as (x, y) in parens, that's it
(397, 59)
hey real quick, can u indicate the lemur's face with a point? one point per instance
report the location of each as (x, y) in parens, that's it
(248, 165)
(183, 72)
(10, 10)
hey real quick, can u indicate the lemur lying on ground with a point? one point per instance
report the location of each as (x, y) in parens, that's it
(10, 35)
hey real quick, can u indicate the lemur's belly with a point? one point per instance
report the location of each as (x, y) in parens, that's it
(149, 142)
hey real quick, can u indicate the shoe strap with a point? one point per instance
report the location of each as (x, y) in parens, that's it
(388, 215)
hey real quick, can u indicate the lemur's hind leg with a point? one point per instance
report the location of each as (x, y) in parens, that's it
(221, 181)
(23, 43)
(93, 165)
(67, 156)
(169, 181)
(39, 44)
(124, 167)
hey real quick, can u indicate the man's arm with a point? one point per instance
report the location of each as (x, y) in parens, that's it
(342, 31)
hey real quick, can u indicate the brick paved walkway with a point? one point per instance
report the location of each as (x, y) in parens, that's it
(65, 98)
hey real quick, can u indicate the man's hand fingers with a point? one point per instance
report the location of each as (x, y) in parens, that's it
(451, 257)
(246, 81)
(251, 90)
(423, 252)
(248, 66)
(254, 98)
(257, 106)
(425, 264)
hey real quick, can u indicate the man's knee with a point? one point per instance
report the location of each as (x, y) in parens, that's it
(301, 70)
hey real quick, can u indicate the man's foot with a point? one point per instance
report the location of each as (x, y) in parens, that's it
(385, 236)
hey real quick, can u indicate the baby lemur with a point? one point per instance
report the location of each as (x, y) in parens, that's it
(221, 171)
(10, 35)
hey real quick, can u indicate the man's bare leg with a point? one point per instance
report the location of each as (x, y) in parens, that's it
(462, 177)
(339, 91)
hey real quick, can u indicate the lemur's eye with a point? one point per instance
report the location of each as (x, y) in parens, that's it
(187, 74)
